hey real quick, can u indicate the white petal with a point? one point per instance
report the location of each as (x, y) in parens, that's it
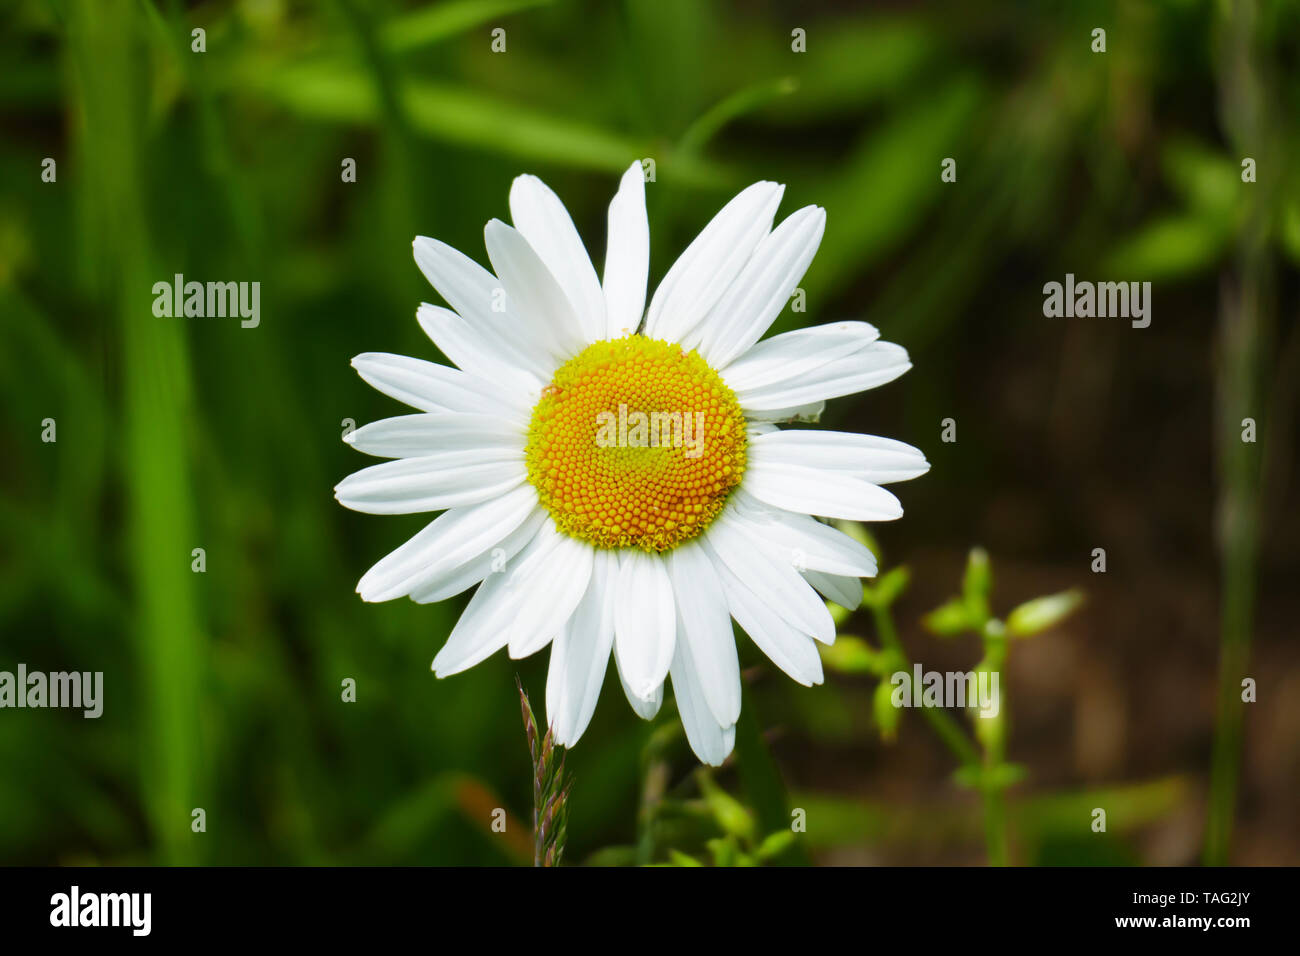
(412, 436)
(484, 627)
(431, 483)
(514, 607)
(710, 741)
(541, 218)
(645, 709)
(645, 621)
(476, 295)
(445, 582)
(580, 655)
(844, 591)
(466, 285)
(803, 542)
(627, 255)
(704, 624)
(447, 543)
(785, 646)
(704, 271)
(828, 494)
(878, 460)
(809, 413)
(876, 364)
(477, 635)
(551, 580)
(756, 297)
(533, 292)
(477, 350)
(437, 388)
(791, 355)
(765, 574)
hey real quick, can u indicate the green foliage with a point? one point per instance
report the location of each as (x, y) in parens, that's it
(739, 843)
(853, 655)
(982, 762)
(1043, 822)
(1040, 614)
(950, 618)
(970, 610)
(888, 587)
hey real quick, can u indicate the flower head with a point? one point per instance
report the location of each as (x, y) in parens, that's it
(612, 477)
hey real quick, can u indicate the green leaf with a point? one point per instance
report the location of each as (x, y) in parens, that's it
(618, 855)
(333, 90)
(729, 813)
(977, 584)
(774, 844)
(890, 587)
(678, 858)
(884, 191)
(433, 23)
(853, 655)
(857, 63)
(1039, 614)
(949, 619)
(1170, 248)
(702, 131)
(886, 714)
(1289, 228)
(724, 850)
(1208, 181)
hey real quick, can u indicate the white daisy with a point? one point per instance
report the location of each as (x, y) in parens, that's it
(579, 531)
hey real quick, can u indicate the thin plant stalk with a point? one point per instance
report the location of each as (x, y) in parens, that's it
(1244, 307)
(550, 789)
(948, 730)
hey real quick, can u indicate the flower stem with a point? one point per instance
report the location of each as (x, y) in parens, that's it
(956, 739)
(949, 730)
(1245, 313)
(994, 739)
(995, 826)
(550, 789)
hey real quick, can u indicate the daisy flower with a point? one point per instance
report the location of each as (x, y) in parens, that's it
(612, 477)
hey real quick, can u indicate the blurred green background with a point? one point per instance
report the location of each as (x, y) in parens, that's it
(222, 689)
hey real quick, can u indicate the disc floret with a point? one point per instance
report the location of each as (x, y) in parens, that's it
(636, 443)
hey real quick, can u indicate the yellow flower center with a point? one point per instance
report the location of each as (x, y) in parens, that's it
(636, 443)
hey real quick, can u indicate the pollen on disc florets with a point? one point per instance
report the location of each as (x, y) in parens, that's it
(636, 443)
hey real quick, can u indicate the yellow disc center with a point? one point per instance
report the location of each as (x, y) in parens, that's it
(636, 443)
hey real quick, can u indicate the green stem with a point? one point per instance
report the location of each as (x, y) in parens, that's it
(949, 730)
(952, 735)
(1244, 310)
(761, 780)
(654, 783)
(995, 816)
(737, 104)
(995, 826)
(107, 61)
